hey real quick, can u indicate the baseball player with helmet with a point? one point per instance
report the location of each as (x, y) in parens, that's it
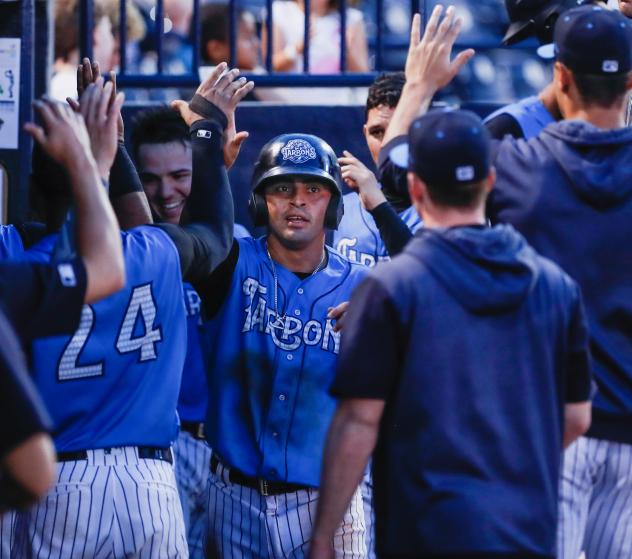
(162, 149)
(455, 483)
(531, 18)
(115, 409)
(275, 344)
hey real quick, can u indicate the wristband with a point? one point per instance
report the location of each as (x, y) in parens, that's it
(208, 110)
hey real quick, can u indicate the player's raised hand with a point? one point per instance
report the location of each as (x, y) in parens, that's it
(63, 135)
(101, 115)
(88, 72)
(429, 61)
(360, 179)
(221, 88)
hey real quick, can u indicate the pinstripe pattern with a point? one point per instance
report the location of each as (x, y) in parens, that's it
(7, 522)
(244, 524)
(192, 459)
(596, 500)
(369, 514)
(111, 505)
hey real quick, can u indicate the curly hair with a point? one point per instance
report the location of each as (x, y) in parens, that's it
(385, 90)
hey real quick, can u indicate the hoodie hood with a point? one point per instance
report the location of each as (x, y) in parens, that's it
(597, 162)
(488, 270)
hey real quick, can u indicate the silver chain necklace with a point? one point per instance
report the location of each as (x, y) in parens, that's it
(279, 321)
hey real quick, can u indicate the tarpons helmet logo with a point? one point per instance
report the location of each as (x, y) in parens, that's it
(298, 151)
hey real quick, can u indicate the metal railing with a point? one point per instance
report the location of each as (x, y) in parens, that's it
(272, 78)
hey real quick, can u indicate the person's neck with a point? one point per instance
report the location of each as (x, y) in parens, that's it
(547, 96)
(302, 260)
(606, 118)
(450, 217)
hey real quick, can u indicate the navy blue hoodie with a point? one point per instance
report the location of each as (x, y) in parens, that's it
(475, 343)
(569, 192)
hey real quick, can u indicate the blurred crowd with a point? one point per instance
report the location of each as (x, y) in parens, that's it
(495, 74)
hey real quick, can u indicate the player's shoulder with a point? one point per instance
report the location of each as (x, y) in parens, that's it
(342, 265)
(149, 247)
(146, 237)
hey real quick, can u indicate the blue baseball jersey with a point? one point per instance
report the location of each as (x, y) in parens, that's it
(530, 113)
(358, 238)
(269, 406)
(10, 242)
(193, 398)
(115, 382)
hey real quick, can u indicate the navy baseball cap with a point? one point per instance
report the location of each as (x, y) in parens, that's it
(446, 147)
(594, 40)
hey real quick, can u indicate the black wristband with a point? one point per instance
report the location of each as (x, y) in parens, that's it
(123, 175)
(208, 110)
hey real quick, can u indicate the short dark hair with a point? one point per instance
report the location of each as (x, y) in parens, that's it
(385, 90)
(600, 90)
(465, 195)
(160, 125)
(215, 24)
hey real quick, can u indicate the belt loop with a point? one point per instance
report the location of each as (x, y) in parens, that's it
(263, 487)
(200, 431)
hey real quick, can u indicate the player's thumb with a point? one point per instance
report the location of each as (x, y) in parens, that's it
(461, 60)
(179, 105)
(240, 138)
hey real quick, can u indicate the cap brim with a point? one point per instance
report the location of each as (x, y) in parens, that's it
(546, 51)
(517, 31)
(399, 155)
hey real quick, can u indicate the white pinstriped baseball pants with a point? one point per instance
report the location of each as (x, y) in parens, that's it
(595, 513)
(112, 505)
(243, 524)
(192, 457)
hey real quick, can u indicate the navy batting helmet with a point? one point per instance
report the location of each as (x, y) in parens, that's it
(536, 18)
(299, 155)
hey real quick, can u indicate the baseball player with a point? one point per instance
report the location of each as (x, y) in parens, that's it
(575, 208)
(162, 149)
(275, 350)
(450, 480)
(115, 410)
(357, 236)
(526, 118)
(567, 190)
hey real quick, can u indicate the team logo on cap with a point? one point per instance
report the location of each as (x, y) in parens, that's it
(465, 173)
(298, 151)
(610, 66)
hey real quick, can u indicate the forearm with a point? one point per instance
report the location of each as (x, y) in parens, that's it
(98, 234)
(206, 241)
(414, 102)
(393, 230)
(126, 192)
(349, 445)
(28, 472)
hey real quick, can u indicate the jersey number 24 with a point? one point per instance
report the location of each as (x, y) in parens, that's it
(141, 307)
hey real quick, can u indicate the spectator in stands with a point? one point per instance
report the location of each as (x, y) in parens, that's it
(325, 30)
(215, 37)
(64, 81)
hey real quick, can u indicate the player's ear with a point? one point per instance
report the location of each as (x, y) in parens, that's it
(490, 181)
(562, 77)
(416, 188)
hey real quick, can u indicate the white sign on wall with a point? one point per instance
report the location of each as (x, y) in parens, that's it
(9, 93)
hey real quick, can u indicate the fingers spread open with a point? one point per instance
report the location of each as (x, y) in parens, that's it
(433, 22)
(212, 78)
(37, 132)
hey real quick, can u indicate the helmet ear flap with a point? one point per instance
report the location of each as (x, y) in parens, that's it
(258, 209)
(335, 211)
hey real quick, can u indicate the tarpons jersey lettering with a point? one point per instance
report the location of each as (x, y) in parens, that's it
(358, 238)
(269, 406)
(260, 316)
